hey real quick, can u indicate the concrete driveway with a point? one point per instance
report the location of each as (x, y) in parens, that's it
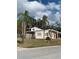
(51, 52)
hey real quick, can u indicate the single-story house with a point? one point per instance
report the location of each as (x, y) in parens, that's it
(43, 34)
(37, 33)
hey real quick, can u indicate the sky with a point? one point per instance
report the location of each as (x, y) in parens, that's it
(38, 8)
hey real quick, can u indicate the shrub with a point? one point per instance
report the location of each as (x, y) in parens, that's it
(19, 41)
(48, 38)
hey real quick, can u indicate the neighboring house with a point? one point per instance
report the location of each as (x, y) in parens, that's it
(43, 34)
(37, 33)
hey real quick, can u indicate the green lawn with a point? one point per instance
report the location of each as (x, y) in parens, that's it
(38, 43)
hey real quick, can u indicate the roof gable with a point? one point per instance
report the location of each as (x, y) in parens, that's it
(35, 29)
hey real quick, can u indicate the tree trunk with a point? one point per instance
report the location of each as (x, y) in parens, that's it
(23, 31)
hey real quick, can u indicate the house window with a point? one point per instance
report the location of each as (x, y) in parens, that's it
(39, 34)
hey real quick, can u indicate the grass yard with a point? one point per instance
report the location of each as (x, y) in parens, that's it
(31, 43)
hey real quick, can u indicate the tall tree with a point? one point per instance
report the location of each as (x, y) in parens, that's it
(24, 20)
(24, 23)
(58, 26)
(19, 31)
(45, 21)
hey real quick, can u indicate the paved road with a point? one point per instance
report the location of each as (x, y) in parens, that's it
(40, 53)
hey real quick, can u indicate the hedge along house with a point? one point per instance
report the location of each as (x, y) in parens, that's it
(43, 34)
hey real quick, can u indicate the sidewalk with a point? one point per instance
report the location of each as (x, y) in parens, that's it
(20, 48)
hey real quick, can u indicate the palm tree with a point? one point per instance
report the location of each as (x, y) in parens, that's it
(24, 20)
(45, 21)
(19, 31)
(42, 23)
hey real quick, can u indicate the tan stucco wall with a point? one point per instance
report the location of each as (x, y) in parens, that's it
(37, 36)
(43, 34)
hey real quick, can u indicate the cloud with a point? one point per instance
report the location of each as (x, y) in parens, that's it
(53, 6)
(34, 6)
(58, 16)
(20, 6)
(41, 13)
(37, 10)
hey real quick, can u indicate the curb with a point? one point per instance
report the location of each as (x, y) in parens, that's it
(22, 49)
